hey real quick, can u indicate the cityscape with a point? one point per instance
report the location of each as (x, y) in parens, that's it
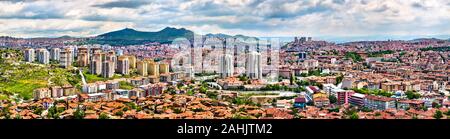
(180, 72)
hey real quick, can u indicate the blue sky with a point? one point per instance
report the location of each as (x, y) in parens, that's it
(262, 18)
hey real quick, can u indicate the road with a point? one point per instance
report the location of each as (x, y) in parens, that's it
(82, 76)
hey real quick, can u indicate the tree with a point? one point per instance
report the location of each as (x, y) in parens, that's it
(332, 99)
(339, 78)
(354, 116)
(119, 113)
(203, 90)
(78, 114)
(292, 79)
(412, 95)
(438, 114)
(103, 116)
(447, 113)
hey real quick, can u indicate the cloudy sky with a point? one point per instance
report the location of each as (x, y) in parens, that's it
(263, 18)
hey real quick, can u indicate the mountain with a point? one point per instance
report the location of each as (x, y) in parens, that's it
(129, 36)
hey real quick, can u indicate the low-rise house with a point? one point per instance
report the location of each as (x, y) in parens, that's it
(41, 93)
(357, 99)
(321, 100)
(407, 104)
(300, 102)
(379, 102)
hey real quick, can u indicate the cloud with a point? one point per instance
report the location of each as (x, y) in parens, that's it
(249, 17)
(123, 4)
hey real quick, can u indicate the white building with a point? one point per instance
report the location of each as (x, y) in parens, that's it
(123, 66)
(90, 88)
(43, 56)
(254, 65)
(226, 67)
(54, 54)
(29, 55)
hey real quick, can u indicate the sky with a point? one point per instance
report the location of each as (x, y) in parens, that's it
(364, 19)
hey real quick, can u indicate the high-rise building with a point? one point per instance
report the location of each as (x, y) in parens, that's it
(107, 69)
(71, 55)
(54, 54)
(153, 68)
(111, 56)
(254, 65)
(142, 68)
(83, 57)
(226, 67)
(95, 66)
(132, 60)
(65, 59)
(123, 65)
(29, 55)
(43, 56)
(163, 68)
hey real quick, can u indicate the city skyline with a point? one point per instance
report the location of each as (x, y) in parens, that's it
(331, 20)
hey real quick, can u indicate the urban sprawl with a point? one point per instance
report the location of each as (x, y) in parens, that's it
(63, 78)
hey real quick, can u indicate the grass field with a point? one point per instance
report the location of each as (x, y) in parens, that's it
(23, 78)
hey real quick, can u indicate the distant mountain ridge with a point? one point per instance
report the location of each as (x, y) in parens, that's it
(130, 36)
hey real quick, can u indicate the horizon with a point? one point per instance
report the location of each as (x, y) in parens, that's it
(331, 20)
(335, 39)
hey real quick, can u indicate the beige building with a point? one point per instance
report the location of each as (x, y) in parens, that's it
(153, 68)
(83, 57)
(142, 68)
(163, 68)
(96, 64)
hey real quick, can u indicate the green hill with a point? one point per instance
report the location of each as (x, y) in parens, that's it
(130, 36)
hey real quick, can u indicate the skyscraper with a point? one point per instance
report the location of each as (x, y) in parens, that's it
(132, 60)
(111, 56)
(54, 54)
(107, 69)
(29, 55)
(43, 56)
(65, 59)
(153, 68)
(83, 57)
(142, 68)
(254, 65)
(95, 66)
(226, 67)
(163, 68)
(71, 55)
(123, 65)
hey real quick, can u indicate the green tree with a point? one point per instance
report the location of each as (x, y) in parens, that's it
(103, 116)
(354, 116)
(332, 99)
(438, 114)
(412, 95)
(339, 78)
(292, 79)
(119, 113)
(78, 114)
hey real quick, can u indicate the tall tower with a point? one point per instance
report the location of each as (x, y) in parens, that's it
(226, 67)
(254, 65)
(43, 56)
(29, 55)
(95, 66)
(54, 54)
(123, 65)
(107, 69)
